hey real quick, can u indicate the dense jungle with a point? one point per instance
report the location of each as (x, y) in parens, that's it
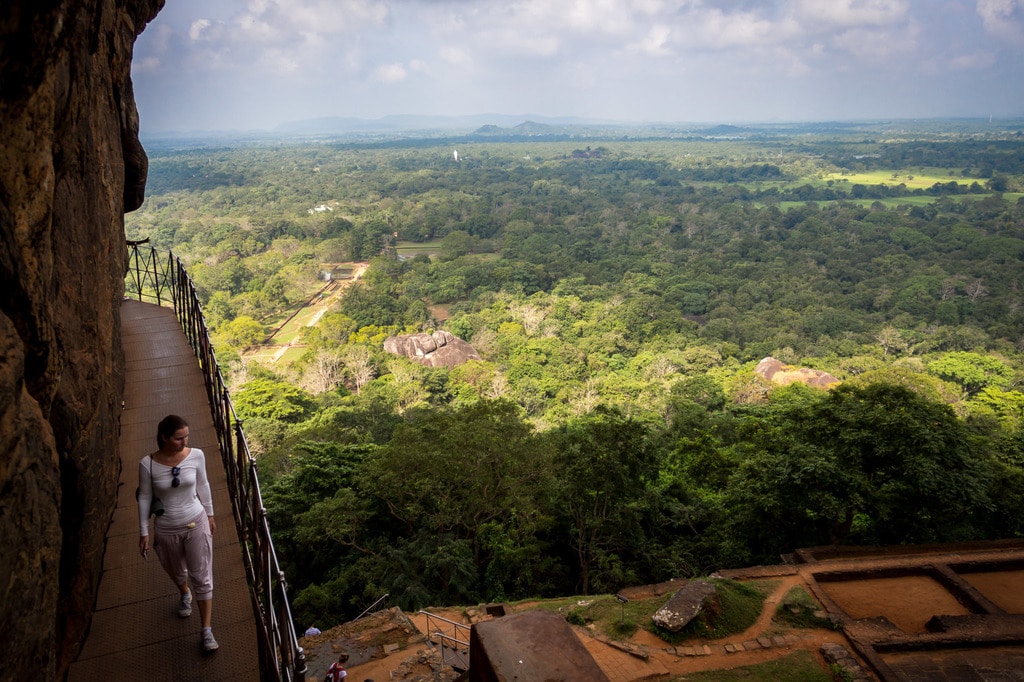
(620, 289)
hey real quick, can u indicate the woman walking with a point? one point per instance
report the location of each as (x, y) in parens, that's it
(173, 483)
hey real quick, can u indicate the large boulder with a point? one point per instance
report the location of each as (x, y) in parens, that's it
(70, 165)
(533, 645)
(440, 349)
(782, 374)
(684, 605)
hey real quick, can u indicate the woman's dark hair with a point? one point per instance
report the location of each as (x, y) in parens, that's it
(167, 428)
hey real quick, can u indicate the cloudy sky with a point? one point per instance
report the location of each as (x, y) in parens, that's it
(252, 64)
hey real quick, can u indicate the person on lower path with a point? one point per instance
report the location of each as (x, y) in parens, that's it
(174, 486)
(337, 672)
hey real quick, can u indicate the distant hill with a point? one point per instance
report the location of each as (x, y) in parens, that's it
(525, 129)
(411, 123)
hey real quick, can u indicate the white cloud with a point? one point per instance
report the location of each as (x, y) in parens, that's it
(455, 55)
(145, 65)
(877, 46)
(316, 17)
(721, 30)
(390, 73)
(850, 13)
(195, 30)
(656, 42)
(1003, 19)
(972, 62)
(280, 61)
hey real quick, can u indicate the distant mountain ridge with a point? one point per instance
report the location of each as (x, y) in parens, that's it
(396, 123)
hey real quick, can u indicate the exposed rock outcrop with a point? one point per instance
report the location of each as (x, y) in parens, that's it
(440, 349)
(70, 165)
(554, 651)
(684, 605)
(780, 373)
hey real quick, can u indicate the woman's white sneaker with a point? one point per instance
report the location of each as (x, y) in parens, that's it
(209, 643)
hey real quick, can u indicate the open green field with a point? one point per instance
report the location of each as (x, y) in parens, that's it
(264, 355)
(292, 354)
(919, 179)
(413, 249)
(291, 331)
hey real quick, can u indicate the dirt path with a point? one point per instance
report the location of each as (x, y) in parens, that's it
(771, 604)
(664, 656)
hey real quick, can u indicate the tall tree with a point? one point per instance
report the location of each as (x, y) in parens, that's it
(605, 462)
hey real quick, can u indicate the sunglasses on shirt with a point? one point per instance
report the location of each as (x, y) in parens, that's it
(175, 472)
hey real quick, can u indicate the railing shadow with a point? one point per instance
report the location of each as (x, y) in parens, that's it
(159, 277)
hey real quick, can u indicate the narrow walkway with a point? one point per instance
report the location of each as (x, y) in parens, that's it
(136, 632)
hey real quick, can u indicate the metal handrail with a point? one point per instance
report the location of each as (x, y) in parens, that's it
(454, 651)
(370, 607)
(164, 280)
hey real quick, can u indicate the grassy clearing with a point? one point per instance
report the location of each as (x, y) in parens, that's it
(798, 609)
(913, 179)
(800, 666)
(292, 354)
(264, 355)
(412, 249)
(605, 613)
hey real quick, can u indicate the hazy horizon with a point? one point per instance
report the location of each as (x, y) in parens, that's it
(253, 65)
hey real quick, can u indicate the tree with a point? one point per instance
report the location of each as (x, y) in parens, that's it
(272, 399)
(891, 341)
(918, 476)
(359, 365)
(457, 243)
(324, 371)
(243, 332)
(605, 463)
(876, 464)
(472, 475)
(971, 371)
(319, 522)
(785, 494)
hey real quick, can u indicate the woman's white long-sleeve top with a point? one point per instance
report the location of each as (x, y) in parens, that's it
(182, 503)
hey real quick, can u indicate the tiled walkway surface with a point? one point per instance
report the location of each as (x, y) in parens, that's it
(136, 633)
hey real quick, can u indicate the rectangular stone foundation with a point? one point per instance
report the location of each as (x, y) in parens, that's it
(535, 645)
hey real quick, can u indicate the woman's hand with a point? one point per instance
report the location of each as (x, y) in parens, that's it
(144, 546)
(213, 525)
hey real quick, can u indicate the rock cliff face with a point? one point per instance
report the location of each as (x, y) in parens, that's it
(70, 165)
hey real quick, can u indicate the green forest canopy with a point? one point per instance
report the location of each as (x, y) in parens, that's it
(619, 292)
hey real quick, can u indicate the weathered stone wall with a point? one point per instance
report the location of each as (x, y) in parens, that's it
(70, 165)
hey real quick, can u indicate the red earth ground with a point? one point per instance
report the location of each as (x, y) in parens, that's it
(906, 601)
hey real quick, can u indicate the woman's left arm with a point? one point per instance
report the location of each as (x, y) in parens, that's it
(203, 490)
